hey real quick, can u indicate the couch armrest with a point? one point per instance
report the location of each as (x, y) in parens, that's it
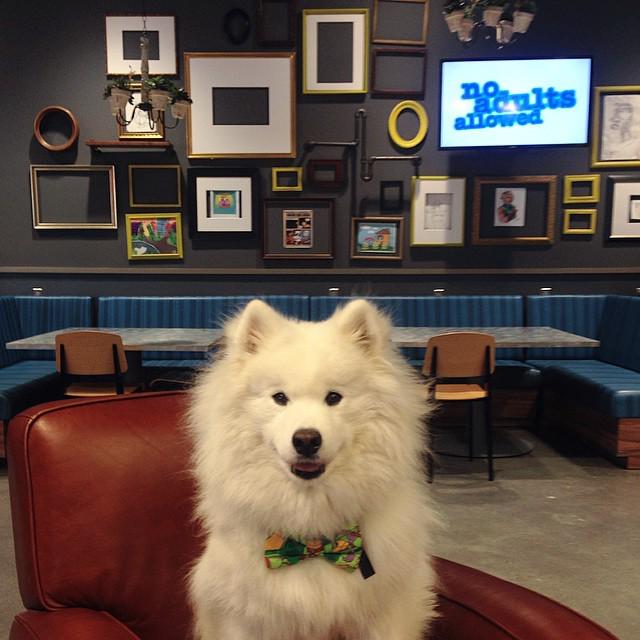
(68, 624)
(473, 604)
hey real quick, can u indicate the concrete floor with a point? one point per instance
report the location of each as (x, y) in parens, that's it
(561, 520)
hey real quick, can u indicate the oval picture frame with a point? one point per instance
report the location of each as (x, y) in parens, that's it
(37, 128)
(423, 124)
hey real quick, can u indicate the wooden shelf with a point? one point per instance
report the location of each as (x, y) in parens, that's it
(128, 144)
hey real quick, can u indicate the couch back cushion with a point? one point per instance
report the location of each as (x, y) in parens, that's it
(620, 332)
(9, 330)
(579, 314)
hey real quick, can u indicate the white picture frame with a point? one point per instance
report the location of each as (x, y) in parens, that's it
(623, 204)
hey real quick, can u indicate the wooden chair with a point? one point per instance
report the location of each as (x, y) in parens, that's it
(92, 363)
(459, 366)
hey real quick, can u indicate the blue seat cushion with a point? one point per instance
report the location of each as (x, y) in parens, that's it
(26, 383)
(177, 364)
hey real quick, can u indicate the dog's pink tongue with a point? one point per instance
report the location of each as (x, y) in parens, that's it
(307, 466)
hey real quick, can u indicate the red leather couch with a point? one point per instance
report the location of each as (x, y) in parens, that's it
(101, 503)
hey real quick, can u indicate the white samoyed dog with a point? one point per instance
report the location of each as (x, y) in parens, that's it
(308, 455)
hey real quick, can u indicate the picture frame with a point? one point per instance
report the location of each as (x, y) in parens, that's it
(140, 127)
(286, 178)
(391, 195)
(325, 173)
(615, 130)
(276, 24)
(73, 197)
(437, 211)
(407, 68)
(579, 221)
(222, 200)
(154, 236)
(377, 238)
(517, 210)
(335, 51)
(122, 36)
(402, 22)
(423, 124)
(300, 228)
(243, 104)
(155, 185)
(623, 206)
(581, 189)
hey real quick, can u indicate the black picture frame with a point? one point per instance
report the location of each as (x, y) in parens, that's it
(412, 82)
(270, 23)
(318, 168)
(390, 201)
(155, 185)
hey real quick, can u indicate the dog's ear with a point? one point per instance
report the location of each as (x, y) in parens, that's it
(251, 326)
(365, 324)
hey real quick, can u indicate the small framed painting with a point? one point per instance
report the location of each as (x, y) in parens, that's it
(377, 238)
(154, 236)
(140, 125)
(623, 204)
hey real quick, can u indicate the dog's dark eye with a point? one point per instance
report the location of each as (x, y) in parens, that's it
(280, 398)
(333, 398)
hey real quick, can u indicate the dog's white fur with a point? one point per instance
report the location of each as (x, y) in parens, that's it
(372, 445)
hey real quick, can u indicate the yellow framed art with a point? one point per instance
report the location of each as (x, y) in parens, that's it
(154, 236)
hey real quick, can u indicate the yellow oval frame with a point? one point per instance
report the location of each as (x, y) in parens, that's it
(423, 124)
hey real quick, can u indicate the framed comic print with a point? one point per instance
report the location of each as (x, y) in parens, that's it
(437, 211)
(154, 236)
(623, 206)
(377, 238)
(299, 228)
(140, 126)
(514, 210)
(615, 131)
(243, 104)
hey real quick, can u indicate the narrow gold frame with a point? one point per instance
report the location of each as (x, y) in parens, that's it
(566, 224)
(154, 216)
(275, 171)
(123, 134)
(425, 24)
(569, 181)
(423, 124)
(156, 166)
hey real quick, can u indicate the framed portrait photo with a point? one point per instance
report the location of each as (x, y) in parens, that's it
(623, 205)
(154, 236)
(514, 210)
(437, 211)
(377, 238)
(615, 132)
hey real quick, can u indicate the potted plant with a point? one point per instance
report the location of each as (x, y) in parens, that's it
(180, 102)
(160, 90)
(118, 93)
(523, 15)
(492, 11)
(453, 14)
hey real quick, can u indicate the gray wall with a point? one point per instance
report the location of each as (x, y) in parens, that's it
(56, 56)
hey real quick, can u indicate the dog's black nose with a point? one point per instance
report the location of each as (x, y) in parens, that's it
(307, 441)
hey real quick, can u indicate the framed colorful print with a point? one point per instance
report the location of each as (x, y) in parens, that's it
(335, 46)
(400, 21)
(277, 23)
(514, 210)
(623, 204)
(615, 131)
(581, 189)
(154, 236)
(155, 185)
(377, 238)
(243, 105)
(222, 200)
(69, 196)
(326, 173)
(122, 35)
(140, 125)
(579, 221)
(437, 211)
(286, 178)
(399, 72)
(300, 228)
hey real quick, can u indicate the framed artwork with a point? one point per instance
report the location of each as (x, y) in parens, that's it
(580, 189)
(399, 71)
(277, 23)
(68, 196)
(286, 178)
(155, 185)
(623, 204)
(326, 173)
(300, 228)
(579, 221)
(400, 21)
(140, 125)
(335, 47)
(615, 132)
(391, 195)
(377, 238)
(243, 105)
(222, 200)
(437, 211)
(154, 236)
(122, 34)
(514, 210)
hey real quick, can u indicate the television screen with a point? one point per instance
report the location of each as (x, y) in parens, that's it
(506, 103)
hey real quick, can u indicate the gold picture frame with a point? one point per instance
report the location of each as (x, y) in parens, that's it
(154, 236)
(155, 185)
(568, 222)
(278, 172)
(570, 183)
(139, 128)
(379, 38)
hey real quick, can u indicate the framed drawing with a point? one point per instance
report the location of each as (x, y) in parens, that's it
(277, 23)
(326, 173)
(243, 104)
(122, 34)
(140, 125)
(579, 221)
(154, 236)
(335, 50)
(400, 21)
(437, 211)
(222, 200)
(66, 196)
(286, 178)
(155, 185)
(615, 131)
(623, 204)
(377, 238)
(399, 72)
(581, 189)
(300, 228)
(514, 210)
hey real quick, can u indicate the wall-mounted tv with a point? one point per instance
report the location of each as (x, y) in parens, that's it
(516, 102)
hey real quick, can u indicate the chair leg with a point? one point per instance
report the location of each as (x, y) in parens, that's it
(489, 437)
(470, 412)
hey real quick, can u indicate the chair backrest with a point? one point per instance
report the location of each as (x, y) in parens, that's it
(90, 353)
(460, 354)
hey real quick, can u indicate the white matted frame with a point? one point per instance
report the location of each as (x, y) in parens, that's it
(115, 26)
(623, 204)
(275, 72)
(311, 20)
(437, 211)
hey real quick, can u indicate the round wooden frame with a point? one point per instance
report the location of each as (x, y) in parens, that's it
(37, 132)
(423, 124)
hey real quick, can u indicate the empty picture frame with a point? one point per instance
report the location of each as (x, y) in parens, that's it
(399, 72)
(155, 185)
(579, 221)
(580, 189)
(243, 105)
(377, 238)
(73, 197)
(154, 236)
(335, 50)
(286, 178)
(623, 204)
(325, 173)
(122, 34)
(277, 23)
(391, 195)
(400, 21)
